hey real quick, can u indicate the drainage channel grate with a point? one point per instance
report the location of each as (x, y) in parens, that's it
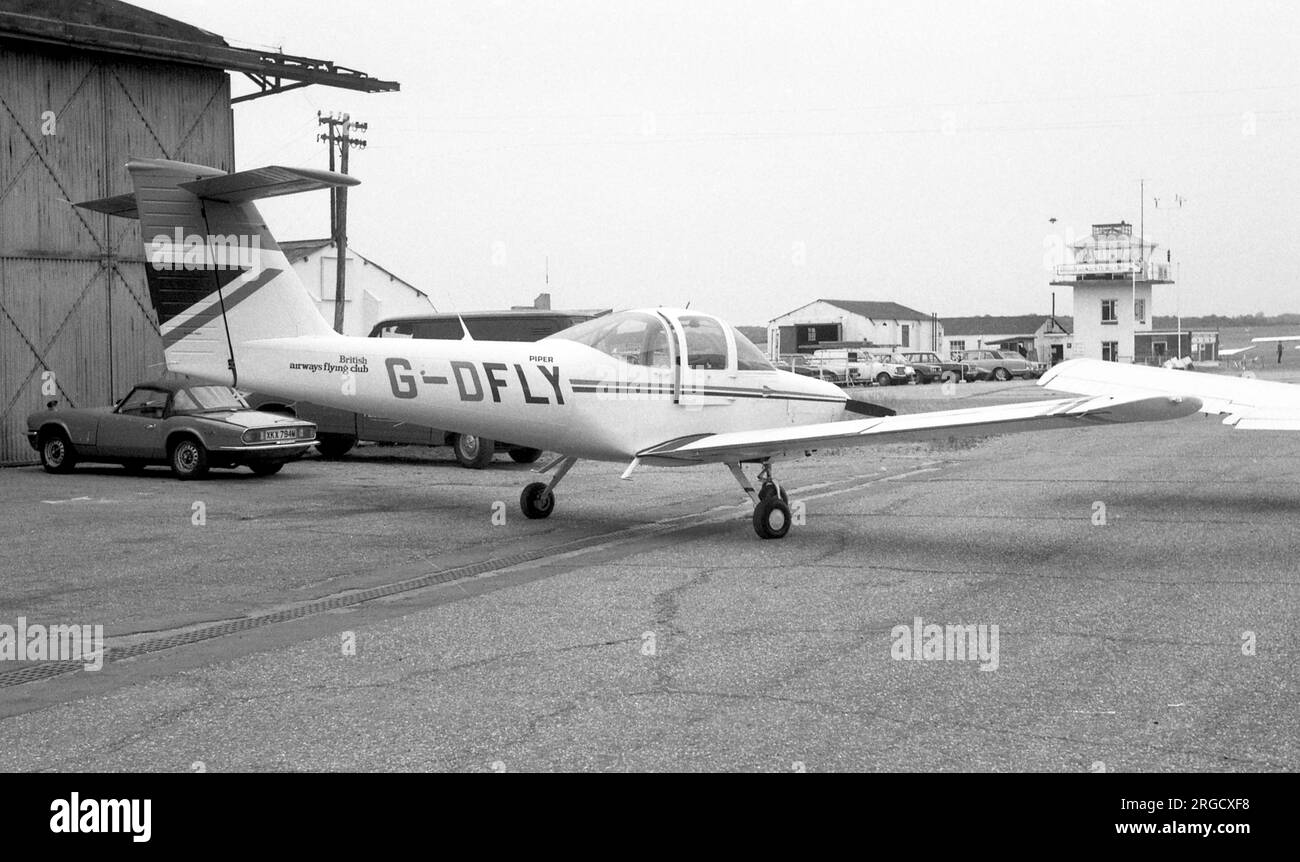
(48, 670)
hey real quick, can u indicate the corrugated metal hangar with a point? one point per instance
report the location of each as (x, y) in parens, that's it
(84, 86)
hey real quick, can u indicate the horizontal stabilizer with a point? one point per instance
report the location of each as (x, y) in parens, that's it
(122, 206)
(268, 182)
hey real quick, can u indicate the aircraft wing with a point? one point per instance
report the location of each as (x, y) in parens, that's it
(1003, 419)
(1247, 403)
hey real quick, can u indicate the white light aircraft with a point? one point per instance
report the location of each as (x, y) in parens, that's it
(665, 387)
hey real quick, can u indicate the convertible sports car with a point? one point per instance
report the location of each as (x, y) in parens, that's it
(189, 428)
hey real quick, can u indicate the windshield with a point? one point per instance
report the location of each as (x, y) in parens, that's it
(748, 356)
(204, 399)
(634, 337)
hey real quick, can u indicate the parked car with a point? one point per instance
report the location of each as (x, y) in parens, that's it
(190, 428)
(800, 363)
(860, 366)
(930, 366)
(337, 431)
(1000, 364)
(885, 369)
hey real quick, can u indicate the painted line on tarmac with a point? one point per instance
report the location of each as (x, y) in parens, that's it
(497, 565)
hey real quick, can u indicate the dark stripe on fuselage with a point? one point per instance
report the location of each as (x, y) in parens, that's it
(667, 390)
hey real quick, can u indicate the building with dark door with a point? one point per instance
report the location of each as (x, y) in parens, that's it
(86, 85)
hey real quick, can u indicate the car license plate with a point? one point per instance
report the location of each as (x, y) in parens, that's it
(280, 434)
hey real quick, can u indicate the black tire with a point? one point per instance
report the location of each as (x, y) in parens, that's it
(1001, 375)
(58, 455)
(883, 379)
(266, 469)
(536, 501)
(772, 518)
(524, 455)
(188, 459)
(472, 451)
(333, 446)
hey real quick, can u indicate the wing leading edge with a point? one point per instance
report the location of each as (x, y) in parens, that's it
(1004, 419)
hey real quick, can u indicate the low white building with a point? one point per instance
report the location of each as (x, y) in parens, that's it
(371, 294)
(843, 322)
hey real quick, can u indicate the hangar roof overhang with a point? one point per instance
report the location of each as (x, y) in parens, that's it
(114, 27)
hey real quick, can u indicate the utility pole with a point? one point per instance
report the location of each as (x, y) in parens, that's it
(339, 135)
(1176, 204)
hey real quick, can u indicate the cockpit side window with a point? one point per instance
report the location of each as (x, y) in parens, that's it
(631, 336)
(748, 356)
(706, 343)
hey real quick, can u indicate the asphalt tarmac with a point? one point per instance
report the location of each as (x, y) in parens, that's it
(374, 614)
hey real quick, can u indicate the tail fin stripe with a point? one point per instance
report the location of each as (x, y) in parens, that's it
(215, 310)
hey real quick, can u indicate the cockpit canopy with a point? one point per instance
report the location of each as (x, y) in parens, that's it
(651, 338)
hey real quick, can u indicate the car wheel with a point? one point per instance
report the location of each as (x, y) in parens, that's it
(266, 469)
(1001, 375)
(57, 453)
(334, 445)
(524, 455)
(189, 459)
(883, 379)
(473, 451)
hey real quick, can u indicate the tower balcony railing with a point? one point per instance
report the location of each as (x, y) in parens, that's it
(1155, 270)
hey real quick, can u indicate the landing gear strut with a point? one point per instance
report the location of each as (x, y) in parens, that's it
(538, 499)
(771, 502)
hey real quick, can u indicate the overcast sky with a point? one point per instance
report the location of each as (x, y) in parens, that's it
(751, 157)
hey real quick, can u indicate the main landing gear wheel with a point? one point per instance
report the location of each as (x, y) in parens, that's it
(537, 501)
(771, 502)
(771, 518)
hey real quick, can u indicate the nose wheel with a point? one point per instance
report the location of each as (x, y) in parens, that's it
(771, 502)
(538, 499)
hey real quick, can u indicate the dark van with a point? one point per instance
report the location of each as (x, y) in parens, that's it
(337, 431)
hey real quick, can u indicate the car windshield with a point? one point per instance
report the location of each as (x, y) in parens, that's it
(207, 399)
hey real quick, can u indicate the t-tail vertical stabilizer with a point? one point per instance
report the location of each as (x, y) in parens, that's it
(216, 276)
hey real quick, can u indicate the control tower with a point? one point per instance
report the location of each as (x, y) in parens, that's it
(1112, 274)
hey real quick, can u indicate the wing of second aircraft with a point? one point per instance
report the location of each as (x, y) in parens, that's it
(1247, 403)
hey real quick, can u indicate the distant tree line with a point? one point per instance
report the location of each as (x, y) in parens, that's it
(1221, 321)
